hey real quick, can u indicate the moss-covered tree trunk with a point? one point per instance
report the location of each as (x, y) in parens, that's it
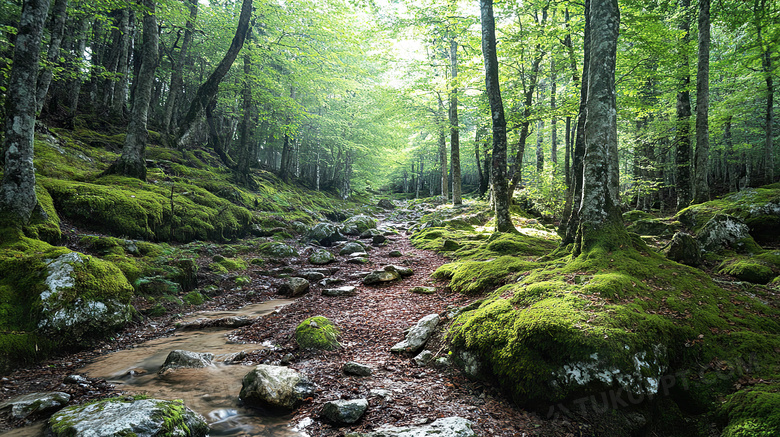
(132, 162)
(59, 14)
(17, 192)
(683, 134)
(498, 169)
(600, 221)
(701, 191)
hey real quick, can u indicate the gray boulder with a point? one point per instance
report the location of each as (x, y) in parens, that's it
(321, 257)
(178, 359)
(23, 406)
(327, 282)
(346, 290)
(370, 233)
(358, 224)
(445, 427)
(422, 290)
(344, 412)
(310, 275)
(126, 416)
(379, 276)
(324, 233)
(722, 231)
(403, 271)
(395, 253)
(684, 249)
(275, 387)
(352, 247)
(418, 335)
(423, 358)
(353, 368)
(276, 249)
(294, 287)
(386, 204)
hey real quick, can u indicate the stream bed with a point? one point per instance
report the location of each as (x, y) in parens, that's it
(211, 391)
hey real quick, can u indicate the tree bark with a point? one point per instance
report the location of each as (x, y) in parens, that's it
(498, 168)
(683, 134)
(759, 13)
(443, 159)
(600, 221)
(177, 75)
(571, 210)
(701, 191)
(554, 121)
(119, 102)
(248, 123)
(539, 139)
(454, 126)
(17, 192)
(132, 162)
(209, 88)
(59, 15)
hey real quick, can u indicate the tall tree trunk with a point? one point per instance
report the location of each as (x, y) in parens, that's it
(759, 12)
(683, 134)
(17, 192)
(247, 145)
(119, 102)
(539, 139)
(601, 223)
(59, 15)
(701, 191)
(74, 85)
(454, 127)
(498, 169)
(209, 88)
(574, 200)
(283, 165)
(443, 159)
(177, 75)
(731, 162)
(132, 162)
(554, 121)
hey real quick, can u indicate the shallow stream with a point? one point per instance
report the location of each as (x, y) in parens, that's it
(211, 391)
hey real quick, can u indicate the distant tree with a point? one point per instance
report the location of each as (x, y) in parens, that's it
(701, 186)
(683, 134)
(17, 192)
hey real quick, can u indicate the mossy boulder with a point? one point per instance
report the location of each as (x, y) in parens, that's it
(276, 249)
(358, 224)
(128, 416)
(684, 249)
(471, 277)
(275, 387)
(84, 298)
(324, 233)
(321, 257)
(723, 231)
(752, 412)
(317, 333)
(748, 270)
(651, 226)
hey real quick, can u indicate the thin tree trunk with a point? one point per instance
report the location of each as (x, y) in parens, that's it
(683, 135)
(539, 139)
(498, 170)
(74, 86)
(177, 75)
(59, 15)
(132, 162)
(574, 200)
(701, 192)
(731, 164)
(209, 88)
(554, 121)
(119, 103)
(443, 160)
(601, 223)
(454, 127)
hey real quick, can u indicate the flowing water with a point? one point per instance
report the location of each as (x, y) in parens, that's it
(211, 391)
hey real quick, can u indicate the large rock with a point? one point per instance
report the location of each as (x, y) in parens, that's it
(684, 249)
(418, 335)
(294, 287)
(445, 427)
(84, 298)
(275, 387)
(651, 226)
(126, 416)
(23, 406)
(177, 359)
(321, 257)
(353, 368)
(324, 233)
(317, 333)
(386, 204)
(275, 249)
(358, 224)
(310, 275)
(379, 276)
(352, 247)
(344, 412)
(722, 231)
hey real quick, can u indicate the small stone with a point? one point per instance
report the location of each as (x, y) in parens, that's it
(403, 271)
(418, 335)
(376, 240)
(35, 403)
(321, 257)
(352, 247)
(423, 358)
(346, 290)
(294, 287)
(422, 290)
(395, 253)
(75, 379)
(310, 275)
(378, 276)
(358, 260)
(343, 411)
(327, 282)
(353, 368)
(381, 393)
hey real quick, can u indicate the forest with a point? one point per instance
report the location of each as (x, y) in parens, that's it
(389, 218)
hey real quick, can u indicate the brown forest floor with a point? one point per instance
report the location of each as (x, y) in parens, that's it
(370, 324)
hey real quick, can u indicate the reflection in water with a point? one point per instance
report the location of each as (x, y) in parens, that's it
(211, 391)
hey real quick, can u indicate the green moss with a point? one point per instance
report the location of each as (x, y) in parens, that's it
(44, 223)
(752, 412)
(242, 280)
(157, 310)
(632, 216)
(224, 265)
(748, 270)
(317, 333)
(193, 298)
(477, 276)
(519, 244)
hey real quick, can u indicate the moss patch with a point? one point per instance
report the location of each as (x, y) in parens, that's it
(317, 333)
